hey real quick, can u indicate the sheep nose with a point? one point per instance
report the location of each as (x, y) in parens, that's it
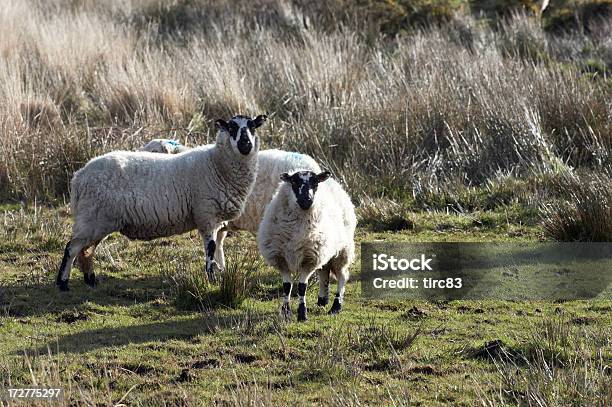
(305, 203)
(244, 144)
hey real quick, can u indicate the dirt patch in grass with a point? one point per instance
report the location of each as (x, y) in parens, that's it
(583, 320)
(494, 350)
(185, 376)
(414, 313)
(139, 369)
(206, 364)
(245, 358)
(424, 370)
(70, 317)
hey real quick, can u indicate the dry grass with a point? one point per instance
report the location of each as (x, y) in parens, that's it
(418, 112)
(586, 212)
(384, 214)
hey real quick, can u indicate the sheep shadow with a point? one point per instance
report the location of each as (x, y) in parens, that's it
(184, 330)
(35, 299)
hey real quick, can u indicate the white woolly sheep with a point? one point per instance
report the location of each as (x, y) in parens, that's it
(165, 146)
(309, 226)
(145, 196)
(271, 164)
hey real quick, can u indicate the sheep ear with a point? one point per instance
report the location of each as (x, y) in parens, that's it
(222, 124)
(285, 177)
(260, 120)
(323, 176)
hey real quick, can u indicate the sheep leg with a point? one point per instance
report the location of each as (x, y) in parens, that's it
(72, 249)
(85, 262)
(210, 247)
(286, 308)
(323, 299)
(219, 254)
(302, 284)
(339, 299)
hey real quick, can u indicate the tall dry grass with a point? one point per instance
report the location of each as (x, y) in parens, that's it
(585, 213)
(402, 117)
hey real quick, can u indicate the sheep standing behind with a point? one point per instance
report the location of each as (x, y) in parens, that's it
(145, 196)
(309, 226)
(164, 146)
(271, 164)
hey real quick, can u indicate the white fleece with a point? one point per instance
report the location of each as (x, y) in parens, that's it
(302, 241)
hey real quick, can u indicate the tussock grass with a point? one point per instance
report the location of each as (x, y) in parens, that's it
(418, 110)
(376, 338)
(192, 289)
(585, 214)
(384, 214)
(340, 354)
(328, 361)
(237, 280)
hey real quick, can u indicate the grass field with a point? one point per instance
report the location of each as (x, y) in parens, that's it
(130, 341)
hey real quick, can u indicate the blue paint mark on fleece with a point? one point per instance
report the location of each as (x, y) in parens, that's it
(295, 157)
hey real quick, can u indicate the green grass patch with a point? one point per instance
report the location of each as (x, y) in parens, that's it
(130, 340)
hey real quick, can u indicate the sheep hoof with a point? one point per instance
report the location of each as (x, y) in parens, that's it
(218, 267)
(90, 279)
(211, 271)
(302, 316)
(322, 301)
(212, 278)
(336, 307)
(286, 312)
(63, 285)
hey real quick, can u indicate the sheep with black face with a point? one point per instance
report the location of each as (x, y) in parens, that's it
(309, 226)
(145, 196)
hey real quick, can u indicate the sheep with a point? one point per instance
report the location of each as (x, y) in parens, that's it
(271, 164)
(166, 146)
(145, 196)
(309, 226)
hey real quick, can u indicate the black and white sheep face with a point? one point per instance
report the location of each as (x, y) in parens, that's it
(304, 185)
(241, 130)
